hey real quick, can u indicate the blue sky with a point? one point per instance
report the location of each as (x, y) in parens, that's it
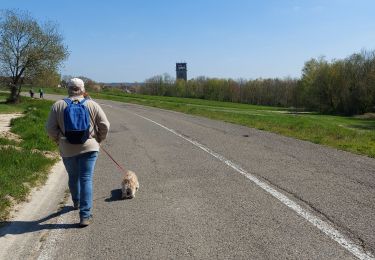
(126, 41)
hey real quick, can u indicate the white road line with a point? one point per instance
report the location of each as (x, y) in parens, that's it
(323, 226)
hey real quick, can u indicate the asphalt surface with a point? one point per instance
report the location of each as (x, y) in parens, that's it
(194, 205)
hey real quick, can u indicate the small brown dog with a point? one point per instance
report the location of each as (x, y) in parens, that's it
(129, 185)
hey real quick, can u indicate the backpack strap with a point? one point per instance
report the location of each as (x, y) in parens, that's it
(68, 101)
(83, 101)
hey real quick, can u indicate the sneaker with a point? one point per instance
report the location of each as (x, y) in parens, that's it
(85, 222)
(75, 205)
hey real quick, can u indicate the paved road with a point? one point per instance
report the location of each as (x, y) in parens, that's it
(209, 189)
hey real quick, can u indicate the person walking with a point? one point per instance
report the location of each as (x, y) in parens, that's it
(78, 148)
(31, 93)
(41, 93)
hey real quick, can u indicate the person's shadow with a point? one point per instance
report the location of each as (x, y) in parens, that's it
(22, 227)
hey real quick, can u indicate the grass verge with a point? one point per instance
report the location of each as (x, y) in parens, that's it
(351, 134)
(21, 167)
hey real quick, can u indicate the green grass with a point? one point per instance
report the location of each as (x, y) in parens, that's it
(115, 94)
(326, 130)
(4, 141)
(22, 168)
(31, 127)
(346, 133)
(19, 171)
(6, 108)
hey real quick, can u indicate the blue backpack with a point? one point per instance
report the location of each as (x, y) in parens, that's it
(76, 121)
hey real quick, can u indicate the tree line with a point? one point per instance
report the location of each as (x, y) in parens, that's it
(272, 92)
(31, 52)
(345, 86)
(342, 86)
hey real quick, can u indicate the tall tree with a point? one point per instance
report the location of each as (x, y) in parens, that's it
(27, 49)
(47, 78)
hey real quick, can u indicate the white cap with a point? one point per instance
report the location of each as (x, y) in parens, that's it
(76, 87)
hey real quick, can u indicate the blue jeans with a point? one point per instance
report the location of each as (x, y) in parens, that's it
(80, 169)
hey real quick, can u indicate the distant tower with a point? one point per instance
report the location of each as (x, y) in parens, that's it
(181, 71)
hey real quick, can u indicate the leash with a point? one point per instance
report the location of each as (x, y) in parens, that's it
(118, 165)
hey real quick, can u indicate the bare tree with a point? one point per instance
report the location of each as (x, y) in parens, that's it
(27, 49)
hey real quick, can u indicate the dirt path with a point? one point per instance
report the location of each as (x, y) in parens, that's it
(5, 126)
(31, 220)
(5, 120)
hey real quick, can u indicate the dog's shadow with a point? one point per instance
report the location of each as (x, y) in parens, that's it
(115, 196)
(22, 227)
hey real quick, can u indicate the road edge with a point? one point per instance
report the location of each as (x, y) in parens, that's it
(42, 202)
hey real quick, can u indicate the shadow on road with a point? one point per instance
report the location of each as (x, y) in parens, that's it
(22, 227)
(115, 196)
